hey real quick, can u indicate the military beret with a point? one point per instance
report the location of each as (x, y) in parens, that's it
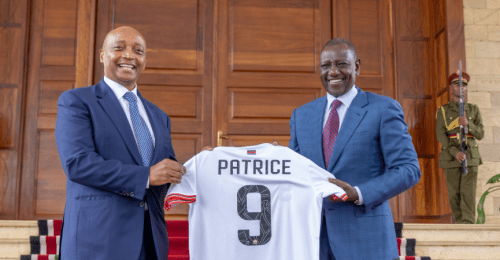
(454, 78)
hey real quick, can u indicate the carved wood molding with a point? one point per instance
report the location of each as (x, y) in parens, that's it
(10, 25)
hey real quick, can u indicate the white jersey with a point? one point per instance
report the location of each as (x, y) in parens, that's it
(256, 202)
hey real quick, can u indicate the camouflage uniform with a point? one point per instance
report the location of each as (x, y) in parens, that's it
(461, 188)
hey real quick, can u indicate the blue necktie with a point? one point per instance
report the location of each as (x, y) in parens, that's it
(144, 139)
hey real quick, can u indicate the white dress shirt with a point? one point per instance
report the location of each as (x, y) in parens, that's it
(346, 100)
(119, 91)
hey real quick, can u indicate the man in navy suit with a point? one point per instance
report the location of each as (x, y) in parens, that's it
(368, 150)
(116, 151)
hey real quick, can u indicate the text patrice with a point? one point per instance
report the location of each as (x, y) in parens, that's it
(254, 166)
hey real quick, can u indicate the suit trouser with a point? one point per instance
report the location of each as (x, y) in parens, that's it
(462, 193)
(325, 251)
(148, 251)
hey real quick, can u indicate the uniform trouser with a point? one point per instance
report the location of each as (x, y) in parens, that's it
(462, 194)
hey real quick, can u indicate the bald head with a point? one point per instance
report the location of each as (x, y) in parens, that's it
(123, 55)
(121, 30)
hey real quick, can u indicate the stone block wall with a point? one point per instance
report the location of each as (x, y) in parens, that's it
(482, 43)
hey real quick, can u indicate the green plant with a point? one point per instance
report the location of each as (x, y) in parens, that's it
(481, 217)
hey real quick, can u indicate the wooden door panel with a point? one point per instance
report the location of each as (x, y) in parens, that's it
(173, 31)
(420, 116)
(368, 25)
(50, 180)
(7, 115)
(12, 36)
(248, 140)
(49, 94)
(265, 105)
(170, 27)
(272, 36)
(8, 174)
(190, 143)
(59, 30)
(13, 30)
(52, 65)
(183, 104)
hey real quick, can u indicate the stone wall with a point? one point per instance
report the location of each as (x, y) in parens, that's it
(482, 43)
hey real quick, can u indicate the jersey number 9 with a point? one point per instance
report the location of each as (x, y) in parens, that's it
(264, 216)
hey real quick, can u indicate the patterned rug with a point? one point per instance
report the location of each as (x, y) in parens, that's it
(46, 245)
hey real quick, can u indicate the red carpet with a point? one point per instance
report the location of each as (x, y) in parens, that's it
(178, 232)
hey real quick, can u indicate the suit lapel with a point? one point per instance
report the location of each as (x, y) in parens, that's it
(107, 99)
(155, 128)
(352, 119)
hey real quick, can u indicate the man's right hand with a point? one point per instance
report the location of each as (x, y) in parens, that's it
(166, 171)
(463, 120)
(460, 156)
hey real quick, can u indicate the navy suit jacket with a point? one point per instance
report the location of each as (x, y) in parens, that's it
(373, 151)
(106, 180)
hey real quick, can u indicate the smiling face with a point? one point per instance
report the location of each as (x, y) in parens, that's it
(124, 56)
(338, 69)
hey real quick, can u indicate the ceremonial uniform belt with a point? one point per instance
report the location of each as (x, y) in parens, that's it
(457, 136)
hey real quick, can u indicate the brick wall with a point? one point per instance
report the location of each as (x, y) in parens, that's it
(482, 43)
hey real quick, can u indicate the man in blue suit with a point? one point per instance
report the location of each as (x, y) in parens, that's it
(363, 140)
(116, 151)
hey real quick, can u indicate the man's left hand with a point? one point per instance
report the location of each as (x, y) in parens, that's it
(352, 194)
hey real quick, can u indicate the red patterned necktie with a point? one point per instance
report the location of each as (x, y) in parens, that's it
(330, 131)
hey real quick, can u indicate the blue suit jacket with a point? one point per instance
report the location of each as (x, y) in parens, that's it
(374, 152)
(106, 181)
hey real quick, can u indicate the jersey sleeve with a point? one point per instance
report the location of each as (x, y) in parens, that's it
(324, 188)
(184, 192)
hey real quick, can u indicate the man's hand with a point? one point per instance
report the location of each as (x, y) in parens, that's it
(166, 171)
(460, 156)
(351, 192)
(209, 148)
(463, 120)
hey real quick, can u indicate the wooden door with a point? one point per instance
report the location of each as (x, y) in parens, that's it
(267, 65)
(13, 40)
(51, 70)
(429, 42)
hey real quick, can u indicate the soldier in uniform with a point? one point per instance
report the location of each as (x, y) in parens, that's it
(461, 187)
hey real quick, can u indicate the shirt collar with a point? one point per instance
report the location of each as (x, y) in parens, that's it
(346, 99)
(118, 89)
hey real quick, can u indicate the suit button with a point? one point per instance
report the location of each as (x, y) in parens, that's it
(131, 194)
(141, 204)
